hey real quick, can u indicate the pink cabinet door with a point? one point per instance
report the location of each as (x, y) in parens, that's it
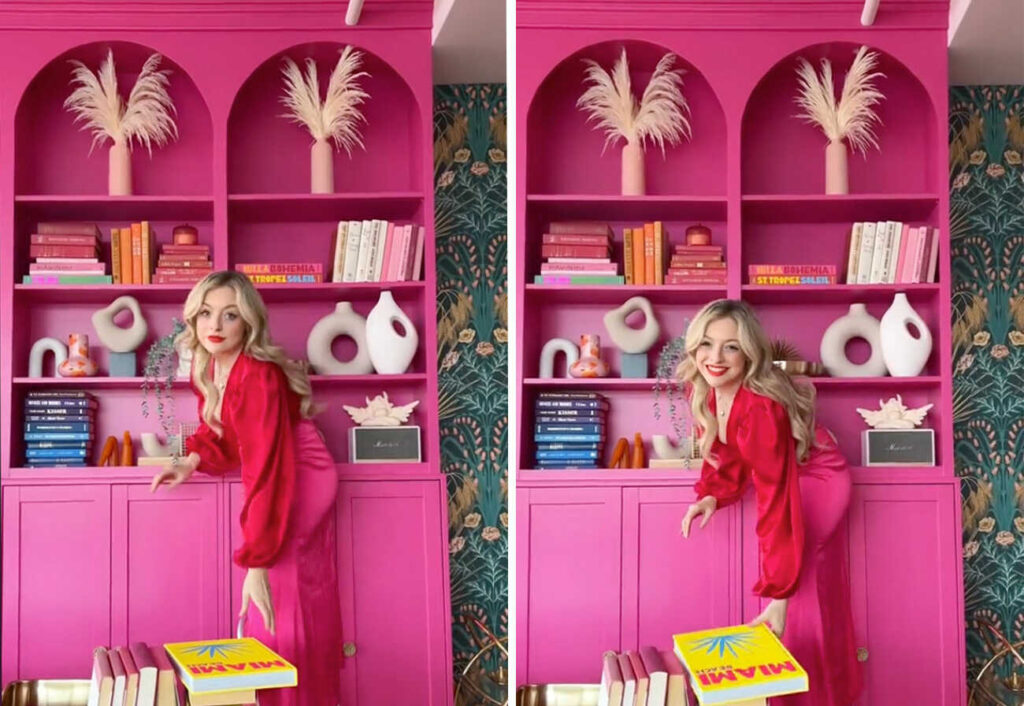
(671, 584)
(569, 544)
(392, 578)
(905, 589)
(56, 580)
(167, 565)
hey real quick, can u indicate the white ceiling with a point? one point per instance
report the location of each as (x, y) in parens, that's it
(986, 41)
(469, 41)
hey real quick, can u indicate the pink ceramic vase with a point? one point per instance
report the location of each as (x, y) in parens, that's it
(589, 364)
(78, 364)
(119, 174)
(321, 168)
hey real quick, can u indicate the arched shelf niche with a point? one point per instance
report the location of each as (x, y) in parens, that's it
(52, 154)
(783, 154)
(566, 151)
(268, 153)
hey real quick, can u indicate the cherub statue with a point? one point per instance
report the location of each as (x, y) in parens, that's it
(379, 412)
(892, 414)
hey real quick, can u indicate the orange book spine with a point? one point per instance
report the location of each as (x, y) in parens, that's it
(126, 255)
(659, 253)
(627, 254)
(649, 253)
(136, 253)
(147, 253)
(638, 256)
(115, 255)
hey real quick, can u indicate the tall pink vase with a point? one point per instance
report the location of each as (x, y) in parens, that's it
(321, 165)
(835, 168)
(78, 364)
(633, 170)
(119, 173)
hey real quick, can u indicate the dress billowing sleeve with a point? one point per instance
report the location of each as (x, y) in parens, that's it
(262, 424)
(765, 443)
(727, 482)
(216, 457)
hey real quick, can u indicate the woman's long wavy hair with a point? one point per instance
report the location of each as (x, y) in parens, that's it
(256, 343)
(760, 375)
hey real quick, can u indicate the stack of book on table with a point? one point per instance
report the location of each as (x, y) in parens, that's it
(578, 252)
(569, 429)
(65, 252)
(60, 428)
(140, 675)
(229, 672)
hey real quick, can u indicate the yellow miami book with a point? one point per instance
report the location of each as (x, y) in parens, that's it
(209, 666)
(739, 663)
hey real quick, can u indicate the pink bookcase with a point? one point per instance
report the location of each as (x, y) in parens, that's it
(86, 550)
(601, 564)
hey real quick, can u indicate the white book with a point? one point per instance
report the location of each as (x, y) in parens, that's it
(851, 264)
(383, 232)
(365, 246)
(355, 229)
(867, 249)
(879, 255)
(894, 252)
(338, 256)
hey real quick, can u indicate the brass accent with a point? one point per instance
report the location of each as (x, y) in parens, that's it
(348, 649)
(55, 692)
(862, 654)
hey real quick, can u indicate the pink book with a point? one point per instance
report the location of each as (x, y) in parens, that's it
(642, 680)
(628, 680)
(901, 257)
(401, 264)
(147, 674)
(84, 267)
(657, 686)
(117, 667)
(676, 683)
(101, 688)
(924, 252)
(417, 262)
(131, 672)
(611, 681)
(167, 689)
(609, 269)
(933, 260)
(579, 228)
(908, 248)
(389, 252)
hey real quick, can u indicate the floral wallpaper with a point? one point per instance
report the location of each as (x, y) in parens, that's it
(986, 133)
(471, 226)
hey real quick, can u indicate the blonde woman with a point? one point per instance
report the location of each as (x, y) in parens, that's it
(758, 427)
(254, 410)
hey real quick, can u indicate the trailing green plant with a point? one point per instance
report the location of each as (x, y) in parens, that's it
(159, 374)
(667, 385)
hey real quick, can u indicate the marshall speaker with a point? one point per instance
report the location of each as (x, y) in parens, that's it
(384, 444)
(898, 447)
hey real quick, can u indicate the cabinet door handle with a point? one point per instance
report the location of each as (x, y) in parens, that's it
(348, 649)
(862, 654)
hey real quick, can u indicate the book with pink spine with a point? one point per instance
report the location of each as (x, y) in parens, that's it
(628, 680)
(657, 675)
(642, 679)
(131, 686)
(143, 658)
(169, 691)
(611, 681)
(389, 252)
(101, 685)
(677, 691)
(417, 262)
(120, 677)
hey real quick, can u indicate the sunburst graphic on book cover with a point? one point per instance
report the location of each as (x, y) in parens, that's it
(737, 663)
(223, 665)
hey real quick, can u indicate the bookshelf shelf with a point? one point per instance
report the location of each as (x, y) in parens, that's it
(804, 208)
(97, 381)
(325, 207)
(114, 208)
(97, 293)
(615, 207)
(339, 291)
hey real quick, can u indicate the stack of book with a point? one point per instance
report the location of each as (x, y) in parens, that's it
(696, 264)
(889, 252)
(578, 252)
(643, 254)
(282, 272)
(791, 275)
(182, 264)
(66, 253)
(60, 427)
(376, 251)
(646, 676)
(140, 675)
(570, 429)
(132, 251)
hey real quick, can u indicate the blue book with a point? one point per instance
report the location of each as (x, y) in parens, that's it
(59, 418)
(55, 463)
(58, 444)
(570, 404)
(568, 454)
(58, 426)
(568, 437)
(583, 419)
(569, 429)
(58, 403)
(59, 436)
(561, 446)
(55, 453)
(543, 464)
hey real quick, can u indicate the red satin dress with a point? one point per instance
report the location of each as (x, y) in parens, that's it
(288, 522)
(801, 531)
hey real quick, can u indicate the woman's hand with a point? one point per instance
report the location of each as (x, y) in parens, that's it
(176, 472)
(774, 614)
(256, 588)
(705, 506)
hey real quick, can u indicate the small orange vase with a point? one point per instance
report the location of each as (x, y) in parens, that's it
(78, 364)
(590, 364)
